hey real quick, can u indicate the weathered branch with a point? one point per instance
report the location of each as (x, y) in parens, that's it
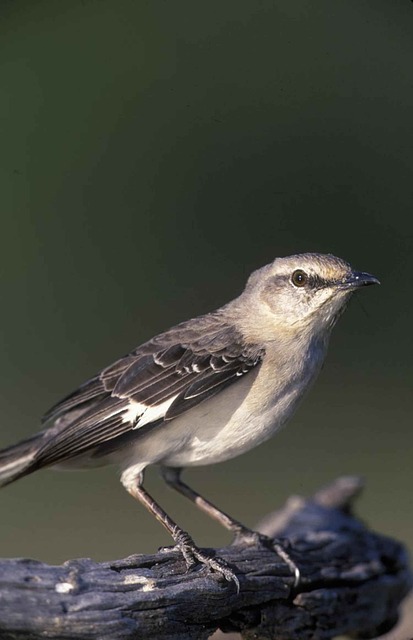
(352, 582)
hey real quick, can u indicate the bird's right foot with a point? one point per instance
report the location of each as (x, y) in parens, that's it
(249, 537)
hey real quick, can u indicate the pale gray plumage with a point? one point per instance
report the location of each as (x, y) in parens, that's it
(206, 390)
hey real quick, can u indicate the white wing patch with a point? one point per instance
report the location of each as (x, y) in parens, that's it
(138, 414)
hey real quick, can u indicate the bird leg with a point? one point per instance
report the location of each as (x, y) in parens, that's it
(242, 534)
(172, 477)
(183, 540)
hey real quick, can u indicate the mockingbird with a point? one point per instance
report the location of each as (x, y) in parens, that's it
(204, 391)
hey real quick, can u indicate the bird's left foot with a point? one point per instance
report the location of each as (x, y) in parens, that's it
(214, 564)
(193, 555)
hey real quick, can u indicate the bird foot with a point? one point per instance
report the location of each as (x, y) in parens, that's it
(193, 555)
(250, 538)
(289, 562)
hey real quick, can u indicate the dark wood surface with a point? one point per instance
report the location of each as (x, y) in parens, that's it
(352, 582)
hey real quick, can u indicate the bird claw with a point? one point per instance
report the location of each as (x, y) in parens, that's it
(193, 555)
(248, 537)
(289, 562)
(215, 564)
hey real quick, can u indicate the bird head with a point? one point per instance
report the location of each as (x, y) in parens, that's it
(301, 292)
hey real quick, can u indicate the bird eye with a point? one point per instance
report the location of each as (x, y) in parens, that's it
(299, 278)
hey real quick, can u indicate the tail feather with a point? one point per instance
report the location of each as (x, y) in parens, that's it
(18, 460)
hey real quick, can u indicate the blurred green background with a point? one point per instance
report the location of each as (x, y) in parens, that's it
(152, 154)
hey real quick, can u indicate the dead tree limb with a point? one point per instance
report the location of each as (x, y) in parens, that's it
(352, 582)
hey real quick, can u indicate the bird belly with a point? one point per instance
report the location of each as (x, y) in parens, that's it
(237, 419)
(240, 418)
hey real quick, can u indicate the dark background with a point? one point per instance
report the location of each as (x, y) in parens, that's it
(152, 154)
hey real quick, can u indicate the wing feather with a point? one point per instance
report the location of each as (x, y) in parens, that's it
(185, 365)
(87, 437)
(90, 390)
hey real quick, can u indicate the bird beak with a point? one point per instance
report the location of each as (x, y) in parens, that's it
(358, 279)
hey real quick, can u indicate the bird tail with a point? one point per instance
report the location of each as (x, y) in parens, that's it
(18, 460)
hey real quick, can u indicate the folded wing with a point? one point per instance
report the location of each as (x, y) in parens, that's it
(157, 382)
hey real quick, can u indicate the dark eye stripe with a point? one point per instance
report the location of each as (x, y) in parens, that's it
(313, 281)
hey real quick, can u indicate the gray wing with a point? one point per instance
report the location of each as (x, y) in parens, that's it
(156, 382)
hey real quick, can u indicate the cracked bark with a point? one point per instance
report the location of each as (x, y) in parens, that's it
(352, 582)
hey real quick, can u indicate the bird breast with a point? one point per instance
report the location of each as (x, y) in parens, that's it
(242, 416)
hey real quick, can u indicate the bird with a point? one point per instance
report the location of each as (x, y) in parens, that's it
(204, 391)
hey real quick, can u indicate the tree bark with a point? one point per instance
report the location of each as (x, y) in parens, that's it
(352, 582)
